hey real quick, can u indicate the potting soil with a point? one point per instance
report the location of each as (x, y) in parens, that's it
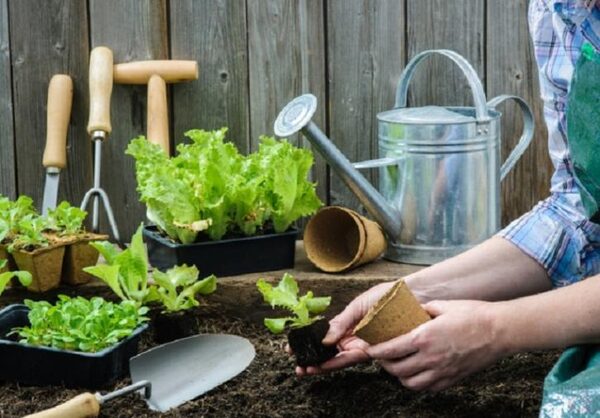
(269, 388)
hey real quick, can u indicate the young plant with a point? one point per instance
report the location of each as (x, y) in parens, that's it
(80, 324)
(210, 187)
(66, 219)
(177, 288)
(11, 213)
(305, 309)
(29, 234)
(126, 272)
(24, 277)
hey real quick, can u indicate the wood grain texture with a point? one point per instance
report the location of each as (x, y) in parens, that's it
(45, 41)
(286, 47)
(8, 181)
(214, 33)
(438, 24)
(134, 30)
(366, 50)
(513, 70)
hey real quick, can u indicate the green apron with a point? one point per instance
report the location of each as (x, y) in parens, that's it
(572, 388)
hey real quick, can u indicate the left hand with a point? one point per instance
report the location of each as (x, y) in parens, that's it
(461, 339)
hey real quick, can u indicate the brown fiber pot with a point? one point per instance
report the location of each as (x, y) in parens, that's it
(44, 264)
(78, 255)
(338, 239)
(396, 313)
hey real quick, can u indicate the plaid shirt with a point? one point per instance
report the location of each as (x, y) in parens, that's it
(558, 30)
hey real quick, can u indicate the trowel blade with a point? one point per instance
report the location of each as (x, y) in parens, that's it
(50, 192)
(185, 369)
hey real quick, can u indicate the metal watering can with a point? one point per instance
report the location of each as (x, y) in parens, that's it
(439, 171)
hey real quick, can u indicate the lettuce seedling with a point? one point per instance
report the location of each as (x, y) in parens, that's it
(28, 234)
(80, 324)
(24, 277)
(177, 288)
(11, 213)
(285, 295)
(210, 187)
(126, 272)
(66, 219)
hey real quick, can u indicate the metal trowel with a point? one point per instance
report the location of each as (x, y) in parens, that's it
(170, 374)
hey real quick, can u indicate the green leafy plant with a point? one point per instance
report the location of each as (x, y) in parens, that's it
(80, 324)
(12, 213)
(29, 234)
(177, 288)
(126, 272)
(210, 187)
(66, 219)
(305, 308)
(24, 277)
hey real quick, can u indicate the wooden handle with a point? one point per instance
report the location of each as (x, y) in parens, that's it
(60, 101)
(139, 72)
(158, 119)
(101, 81)
(82, 406)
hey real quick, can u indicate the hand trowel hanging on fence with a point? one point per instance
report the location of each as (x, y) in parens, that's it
(170, 374)
(58, 113)
(99, 127)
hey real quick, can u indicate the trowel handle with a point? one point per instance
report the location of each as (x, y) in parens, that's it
(526, 136)
(81, 406)
(60, 100)
(158, 120)
(101, 82)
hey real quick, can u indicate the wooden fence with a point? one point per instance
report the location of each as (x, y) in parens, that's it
(254, 56)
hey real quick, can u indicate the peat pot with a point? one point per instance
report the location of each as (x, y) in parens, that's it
(225, 257)
(36, 365)
(439, 167)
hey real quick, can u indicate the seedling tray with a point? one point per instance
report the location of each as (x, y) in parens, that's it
(227, 257)
(35, 365)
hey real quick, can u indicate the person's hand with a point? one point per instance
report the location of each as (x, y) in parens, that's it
(461, 339)
(352, 349)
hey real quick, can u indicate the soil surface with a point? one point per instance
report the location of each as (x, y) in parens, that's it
(269, 388)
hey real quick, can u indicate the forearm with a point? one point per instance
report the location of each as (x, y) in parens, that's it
(494, 270)
(555, 319)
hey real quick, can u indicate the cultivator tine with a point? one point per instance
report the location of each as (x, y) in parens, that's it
(99, 194)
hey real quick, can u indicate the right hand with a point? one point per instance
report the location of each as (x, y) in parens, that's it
(352, 349)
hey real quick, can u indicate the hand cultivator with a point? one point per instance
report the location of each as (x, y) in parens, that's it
(99, 127)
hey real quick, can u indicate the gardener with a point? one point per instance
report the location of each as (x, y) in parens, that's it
(496, 299)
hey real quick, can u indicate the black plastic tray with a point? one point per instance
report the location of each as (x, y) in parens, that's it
(35, 365)
(226, 257)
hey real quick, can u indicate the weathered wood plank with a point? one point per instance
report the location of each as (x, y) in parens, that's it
(438, 24)
(513, 70)
(8, 181)
(134, 30)
(214, 33)
(366, 50)
(45, 41)
(286, 47)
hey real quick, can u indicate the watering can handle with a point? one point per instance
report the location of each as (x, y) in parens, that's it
(526, 136)
(469, 72)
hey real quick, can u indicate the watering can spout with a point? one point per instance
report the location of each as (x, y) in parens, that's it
(295, 117)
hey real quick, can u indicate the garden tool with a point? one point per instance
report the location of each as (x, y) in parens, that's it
(58, 113)
(156, 73)
(170, 374)
(99, 127)
(439, 178)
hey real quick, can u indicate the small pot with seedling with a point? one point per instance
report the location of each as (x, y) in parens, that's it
(66, 224)
(210, 204)
(176, 290)
(306, 327)
(126, 272)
